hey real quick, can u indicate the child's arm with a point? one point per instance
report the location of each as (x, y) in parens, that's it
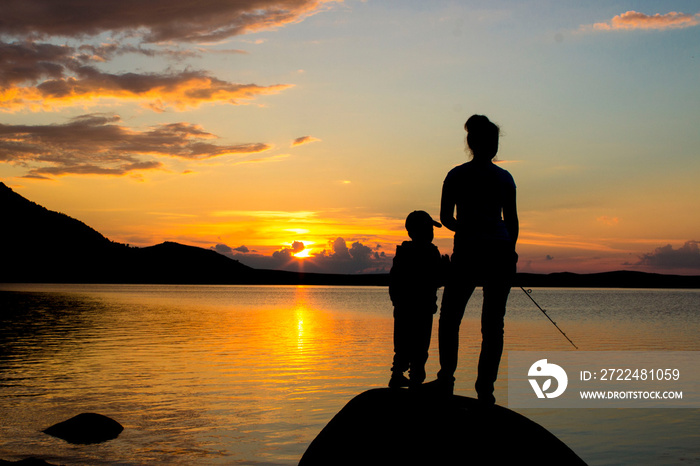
(395, 279)
(443, 269)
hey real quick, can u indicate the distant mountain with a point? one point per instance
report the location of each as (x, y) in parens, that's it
(39, 245)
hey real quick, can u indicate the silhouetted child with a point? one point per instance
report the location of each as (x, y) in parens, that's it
(416, 274)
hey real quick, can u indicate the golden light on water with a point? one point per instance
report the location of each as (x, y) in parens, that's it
(300, 314)
(233, 374)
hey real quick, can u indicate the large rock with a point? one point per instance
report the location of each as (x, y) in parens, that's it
(86, 428)
(26, 462)
(404, 427)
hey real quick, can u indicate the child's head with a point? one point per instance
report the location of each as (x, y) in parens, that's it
(419, 225)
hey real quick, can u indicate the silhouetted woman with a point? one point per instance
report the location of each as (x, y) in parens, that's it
(486, 230)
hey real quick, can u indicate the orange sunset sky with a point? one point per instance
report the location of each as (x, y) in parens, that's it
(299, 134)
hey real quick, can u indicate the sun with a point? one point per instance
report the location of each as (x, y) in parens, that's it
(303, 254)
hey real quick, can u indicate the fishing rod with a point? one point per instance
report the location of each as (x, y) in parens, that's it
(528, 292)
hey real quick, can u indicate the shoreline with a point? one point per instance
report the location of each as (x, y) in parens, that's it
(619, 279)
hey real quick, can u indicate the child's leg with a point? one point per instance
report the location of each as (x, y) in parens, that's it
(422, 327)
(401, 351)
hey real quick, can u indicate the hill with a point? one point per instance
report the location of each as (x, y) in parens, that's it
(40, 245)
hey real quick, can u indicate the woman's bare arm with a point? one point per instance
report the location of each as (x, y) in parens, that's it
(447, 209)
(510, 217)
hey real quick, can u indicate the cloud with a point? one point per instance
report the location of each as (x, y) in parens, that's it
(98, 144)
(181, 90)
(92, 169)
(304, 140)
(267, 159)
(358, 258)
(632, 20)
(337, 258)
(229, 251)
(297, 246)
(284, 255)
(28, 62)
(222, 249)
(339, 250)
(38, 74)
(153, 20)
(46, 76)
(610, 221)
(687, 257)
(104, 52)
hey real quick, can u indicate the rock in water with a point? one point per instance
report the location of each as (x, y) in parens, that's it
(404, 427)
(86, 428)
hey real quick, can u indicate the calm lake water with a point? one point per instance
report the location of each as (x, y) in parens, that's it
(250, 374)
